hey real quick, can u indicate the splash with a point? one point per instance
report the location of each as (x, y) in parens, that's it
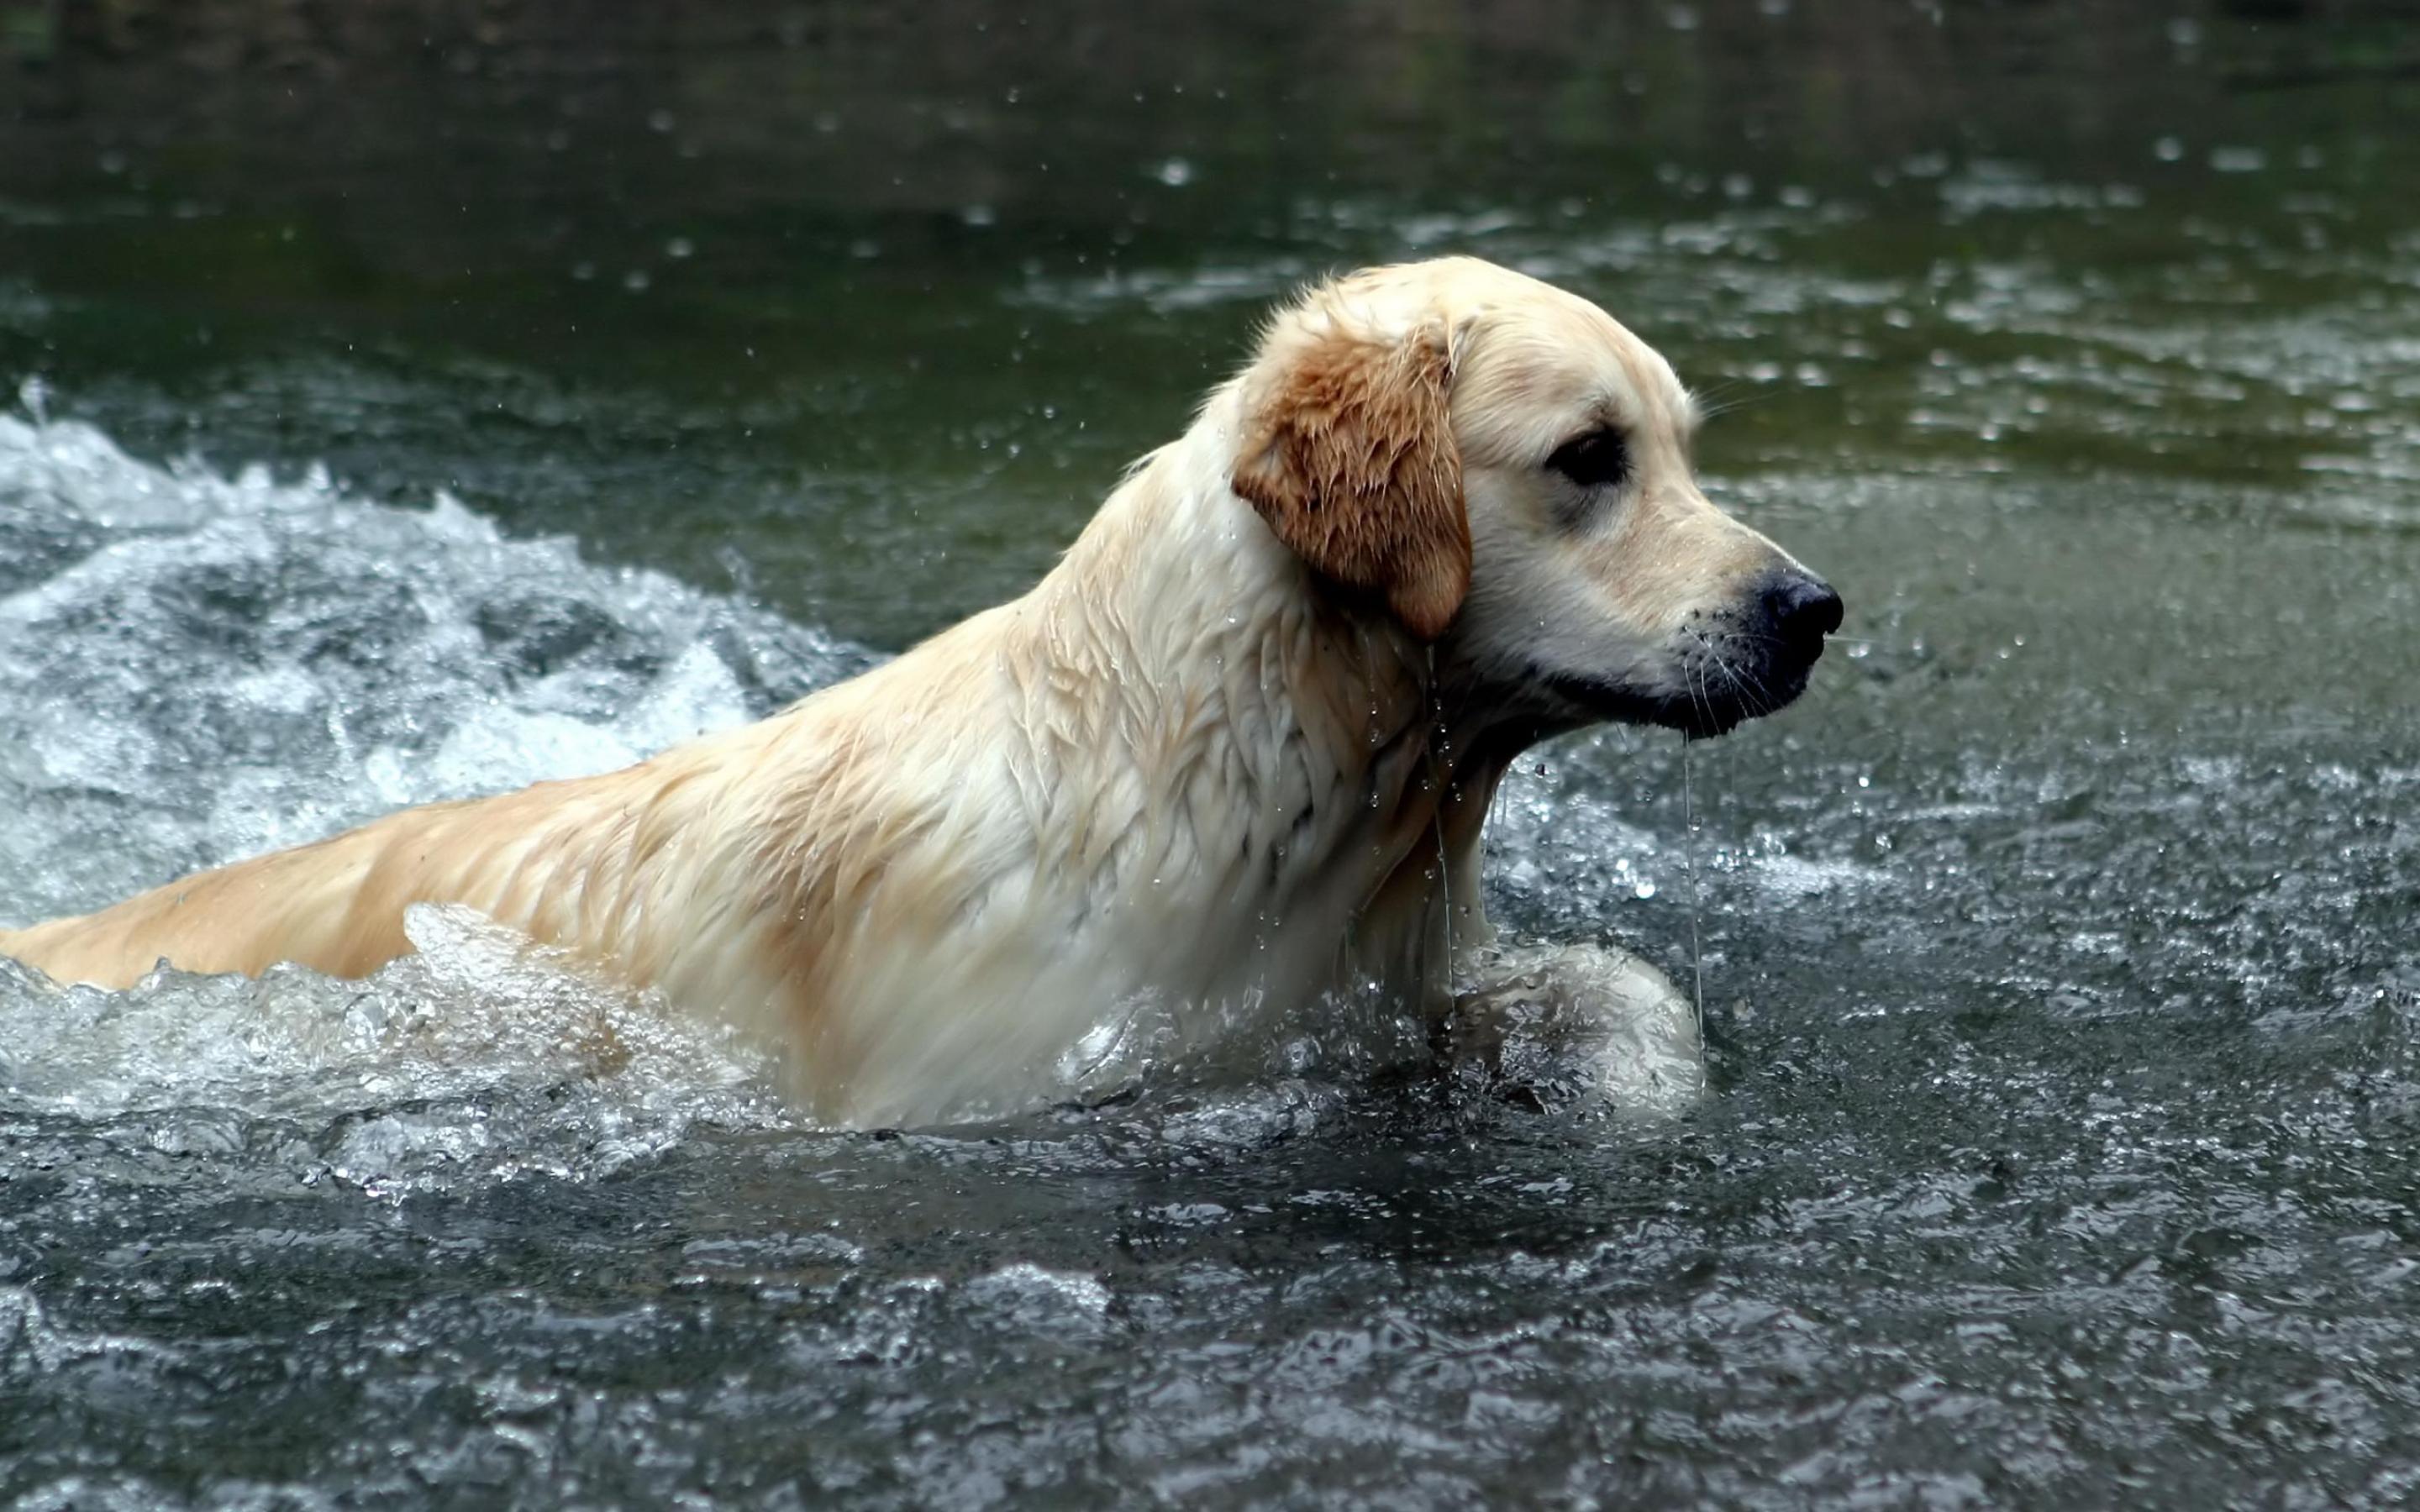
(196, 668)
(480, 1057)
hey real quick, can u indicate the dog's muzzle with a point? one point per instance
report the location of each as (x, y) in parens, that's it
(1727, 666)
(1756, 660)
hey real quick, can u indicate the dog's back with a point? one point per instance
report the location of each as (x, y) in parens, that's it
(335, 905)
(240, 918)
(564, 861)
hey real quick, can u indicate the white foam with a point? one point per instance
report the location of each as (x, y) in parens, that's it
(194, 668)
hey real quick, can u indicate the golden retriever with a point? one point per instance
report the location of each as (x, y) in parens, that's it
(1233, 752)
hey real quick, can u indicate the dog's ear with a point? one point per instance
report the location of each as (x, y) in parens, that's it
(1348, 453)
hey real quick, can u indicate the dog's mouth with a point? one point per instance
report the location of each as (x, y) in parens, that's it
(1711, 689)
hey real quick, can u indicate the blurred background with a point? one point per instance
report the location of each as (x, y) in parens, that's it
(796, 283)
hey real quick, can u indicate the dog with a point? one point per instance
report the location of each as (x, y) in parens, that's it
(1231, 754)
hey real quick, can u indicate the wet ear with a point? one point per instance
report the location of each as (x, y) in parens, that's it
(1348, 453)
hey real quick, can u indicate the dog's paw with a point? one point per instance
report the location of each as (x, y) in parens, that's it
(1560, 1023)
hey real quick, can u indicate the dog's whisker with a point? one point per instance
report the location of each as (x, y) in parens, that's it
(1699, 695)
(1719, 402)
(1752, 689)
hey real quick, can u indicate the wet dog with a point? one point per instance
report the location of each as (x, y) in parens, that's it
(1232, 753)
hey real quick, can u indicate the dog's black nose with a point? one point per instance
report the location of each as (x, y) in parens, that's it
(1803, 611)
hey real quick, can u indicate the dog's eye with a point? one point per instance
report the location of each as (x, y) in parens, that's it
(1594, 460)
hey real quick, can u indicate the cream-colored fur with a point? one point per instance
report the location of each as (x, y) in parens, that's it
(1232, 753)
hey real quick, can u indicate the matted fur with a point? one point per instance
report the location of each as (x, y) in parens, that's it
(1186, 773)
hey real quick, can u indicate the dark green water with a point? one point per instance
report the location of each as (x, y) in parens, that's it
(2059, 947)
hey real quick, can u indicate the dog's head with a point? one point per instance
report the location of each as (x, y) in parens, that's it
(1509, 469)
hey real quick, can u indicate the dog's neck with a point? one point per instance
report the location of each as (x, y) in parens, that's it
(1182, 636)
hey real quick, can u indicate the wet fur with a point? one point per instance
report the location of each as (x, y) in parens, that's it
(1233, 752)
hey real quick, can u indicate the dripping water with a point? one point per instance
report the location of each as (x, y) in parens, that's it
(1697, 891)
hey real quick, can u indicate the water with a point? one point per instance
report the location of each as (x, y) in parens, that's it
(2059, 980)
